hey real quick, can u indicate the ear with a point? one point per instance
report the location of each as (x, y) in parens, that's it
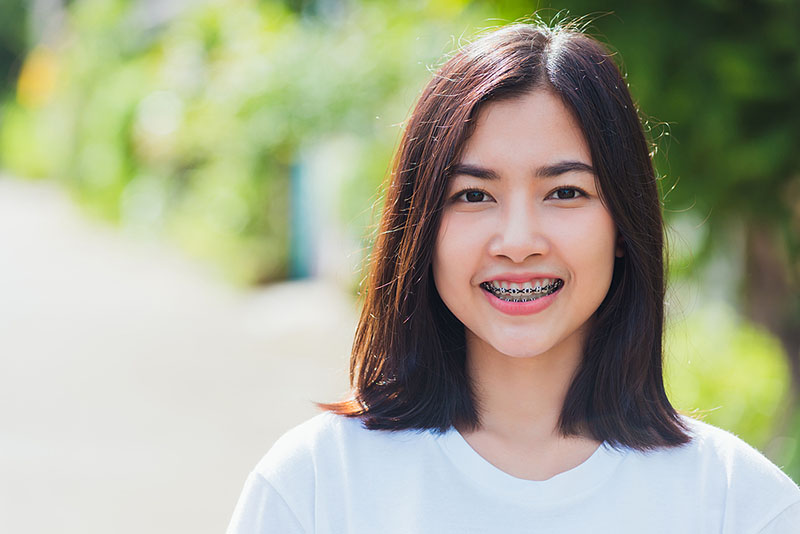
(620, 249)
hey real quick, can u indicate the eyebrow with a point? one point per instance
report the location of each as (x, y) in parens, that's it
(547, 171)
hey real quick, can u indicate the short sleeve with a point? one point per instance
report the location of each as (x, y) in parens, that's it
(786, 522)
(262, 510)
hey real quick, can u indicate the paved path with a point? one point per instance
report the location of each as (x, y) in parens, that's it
(137, 390)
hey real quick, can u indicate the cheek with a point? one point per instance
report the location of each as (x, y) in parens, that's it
(453, 259)
(586, 241)
(595, 254)
(451, 245)
(438, 255)
(443, 256)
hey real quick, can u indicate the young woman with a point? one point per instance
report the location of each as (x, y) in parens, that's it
(507, 368)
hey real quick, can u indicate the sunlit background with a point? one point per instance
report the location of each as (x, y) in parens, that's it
(186, 198)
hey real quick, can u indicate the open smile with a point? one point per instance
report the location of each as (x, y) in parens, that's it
(526, 298)
(526, 292)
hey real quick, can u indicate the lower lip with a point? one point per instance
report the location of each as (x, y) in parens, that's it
(521, 308)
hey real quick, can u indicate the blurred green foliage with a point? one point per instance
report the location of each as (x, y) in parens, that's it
(721, 369)
(191, 127)
(730, 372)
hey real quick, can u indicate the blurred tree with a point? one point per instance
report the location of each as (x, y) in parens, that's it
(727, 76)
(13, 41)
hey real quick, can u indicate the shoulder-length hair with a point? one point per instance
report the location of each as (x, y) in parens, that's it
(408, 365)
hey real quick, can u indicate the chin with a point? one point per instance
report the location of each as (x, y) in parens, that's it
(521, 348)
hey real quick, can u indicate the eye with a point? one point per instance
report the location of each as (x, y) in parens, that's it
(566, 193)
(472, 196)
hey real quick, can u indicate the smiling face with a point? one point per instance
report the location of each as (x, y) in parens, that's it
(525, 251)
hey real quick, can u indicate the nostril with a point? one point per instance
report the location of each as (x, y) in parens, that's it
(519, 241)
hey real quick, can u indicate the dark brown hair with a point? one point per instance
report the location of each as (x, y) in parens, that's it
(408, 362)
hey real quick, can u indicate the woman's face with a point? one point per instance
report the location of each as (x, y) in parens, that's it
(525, 251)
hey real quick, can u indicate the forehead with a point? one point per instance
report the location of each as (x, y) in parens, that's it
(536, 126)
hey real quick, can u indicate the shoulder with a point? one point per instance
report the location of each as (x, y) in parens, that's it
(280, 493)
(327, 443)
(730, 454)
(296, 451)
(721, 472)
(317, 468)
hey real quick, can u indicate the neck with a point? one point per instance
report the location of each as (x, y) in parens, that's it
(520, 399)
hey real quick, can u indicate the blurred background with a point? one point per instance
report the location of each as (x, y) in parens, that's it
(186, 199)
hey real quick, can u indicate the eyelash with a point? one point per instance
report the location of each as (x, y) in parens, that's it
(580, 193)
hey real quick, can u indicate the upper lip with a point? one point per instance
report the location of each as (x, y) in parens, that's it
(519, 278)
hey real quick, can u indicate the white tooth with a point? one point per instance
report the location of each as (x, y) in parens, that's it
(527, 285)
(504, 285)
(494, 283)
(513, 285)
(538, 284)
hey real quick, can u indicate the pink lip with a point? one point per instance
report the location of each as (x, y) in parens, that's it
(519, 278)
(521, 308)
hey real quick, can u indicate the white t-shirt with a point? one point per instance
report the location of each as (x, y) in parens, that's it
(331, 475)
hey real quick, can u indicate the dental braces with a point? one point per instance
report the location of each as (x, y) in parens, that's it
(537, 292)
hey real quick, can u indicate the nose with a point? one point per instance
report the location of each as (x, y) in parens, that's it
(520, 233)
